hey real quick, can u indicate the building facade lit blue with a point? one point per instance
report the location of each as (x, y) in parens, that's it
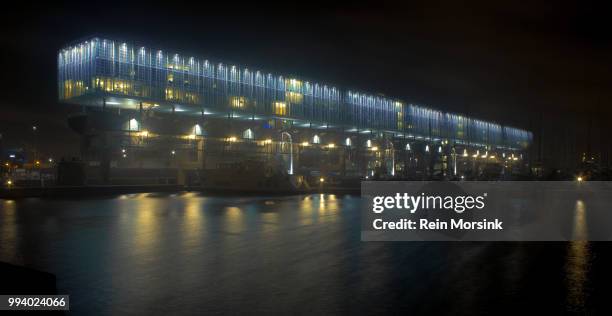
(126, 75)
(221, 113)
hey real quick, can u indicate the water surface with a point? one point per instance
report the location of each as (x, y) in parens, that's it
(192, 254)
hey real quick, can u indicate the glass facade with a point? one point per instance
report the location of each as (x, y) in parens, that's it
(108, 68)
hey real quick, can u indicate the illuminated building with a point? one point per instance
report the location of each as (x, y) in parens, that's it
(217, 110)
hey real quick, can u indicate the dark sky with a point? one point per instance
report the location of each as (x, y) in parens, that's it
(507, 61)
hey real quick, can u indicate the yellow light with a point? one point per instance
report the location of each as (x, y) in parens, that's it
(305, 144)
(9, 182)
(231, 139)
(332, 145)
(492, 157)
(191, 136)
(268, 141)
(37, 162)
(515, 158)
(7, 164)
(374, 148)
(144, 133)
(321, 179)
(579, 179)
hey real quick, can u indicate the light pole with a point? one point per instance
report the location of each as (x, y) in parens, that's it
(290, 171)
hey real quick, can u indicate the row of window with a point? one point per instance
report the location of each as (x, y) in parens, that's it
(121, 69)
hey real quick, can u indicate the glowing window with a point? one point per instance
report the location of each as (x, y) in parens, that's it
(316, 139)
(280, 108)
(197, 130)
(293, 85)
(294, 97)
(133, 125)
(238, 102)
(248, 134)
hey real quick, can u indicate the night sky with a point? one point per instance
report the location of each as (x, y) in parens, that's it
(543, 67)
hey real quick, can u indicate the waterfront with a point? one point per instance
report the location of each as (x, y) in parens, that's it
(188, 253)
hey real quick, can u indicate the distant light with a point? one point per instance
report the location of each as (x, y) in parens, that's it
(37, 162)
(197, 130)
(369, 143)
(439, 149)
(12, 156)
(347, 141)
(331, 145)
(133, 125)
(124, 156)
(231, 139)
(465, 153)
(34, 128)
(173, 152)
(579, 179)
(407, 146)
(123, 150)
(374, 148)
(426, 148)
(305, 144)
(268, 141)
(144, 133)
(321, 179)
(9, 182)
(50, 159)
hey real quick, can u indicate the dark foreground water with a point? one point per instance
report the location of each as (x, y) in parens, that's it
(192, 254)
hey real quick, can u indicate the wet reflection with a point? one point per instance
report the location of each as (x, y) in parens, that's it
(8, 229)
(234, 220)
(306, 211)
(578, 260)
(193, 220)
(146, 226)
(270, 222)
(231, 255)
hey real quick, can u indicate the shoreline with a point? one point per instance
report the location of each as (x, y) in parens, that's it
(102, 190)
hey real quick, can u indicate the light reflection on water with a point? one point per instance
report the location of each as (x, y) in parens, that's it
(257, 254)
(8, 229)
(578, 260)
